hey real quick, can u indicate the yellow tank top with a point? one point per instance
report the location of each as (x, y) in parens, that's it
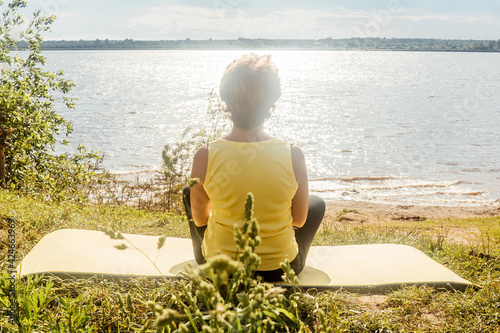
(265, 169)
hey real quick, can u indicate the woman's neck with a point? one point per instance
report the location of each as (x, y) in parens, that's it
(252, 134)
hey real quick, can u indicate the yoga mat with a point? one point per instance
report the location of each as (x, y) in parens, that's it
(75, 253)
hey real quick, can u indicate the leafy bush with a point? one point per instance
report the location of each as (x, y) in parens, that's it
(29, 124)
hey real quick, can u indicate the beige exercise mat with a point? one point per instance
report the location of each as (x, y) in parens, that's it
(84, 253)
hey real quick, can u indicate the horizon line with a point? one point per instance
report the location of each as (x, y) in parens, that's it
(276, 39)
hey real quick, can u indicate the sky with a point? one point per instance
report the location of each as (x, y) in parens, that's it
(276, 19)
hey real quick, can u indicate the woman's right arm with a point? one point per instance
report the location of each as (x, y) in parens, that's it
(300, 202)
(200, 202)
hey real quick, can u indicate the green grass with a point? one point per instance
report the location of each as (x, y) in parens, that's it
(106, 306)
(34, 219)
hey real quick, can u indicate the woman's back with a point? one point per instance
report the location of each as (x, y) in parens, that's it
(264, 168)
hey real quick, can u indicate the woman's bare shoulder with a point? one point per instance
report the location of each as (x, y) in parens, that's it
(297, 153)
(299, 164)
(203, 149)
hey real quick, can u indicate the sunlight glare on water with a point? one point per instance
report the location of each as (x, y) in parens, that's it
(402, 126)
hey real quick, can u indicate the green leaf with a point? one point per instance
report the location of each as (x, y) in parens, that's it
(270, 314)
(287, 313)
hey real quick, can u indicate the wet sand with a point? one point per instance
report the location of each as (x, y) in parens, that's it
(368, 212)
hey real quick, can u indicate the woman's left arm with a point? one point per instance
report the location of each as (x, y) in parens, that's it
(300, 202)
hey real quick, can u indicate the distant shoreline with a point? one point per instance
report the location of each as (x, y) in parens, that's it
(349, 44)
(258, 49)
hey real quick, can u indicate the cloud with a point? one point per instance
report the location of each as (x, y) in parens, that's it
(230, 19)
(448, 18)
(173, 22)
(179, 22)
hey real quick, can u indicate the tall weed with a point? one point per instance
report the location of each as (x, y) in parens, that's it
(224, 295)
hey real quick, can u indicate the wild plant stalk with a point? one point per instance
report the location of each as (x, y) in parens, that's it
(177, 157)
(224, 294)
(118, 235)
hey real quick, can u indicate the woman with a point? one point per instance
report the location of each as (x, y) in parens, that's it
(250, 160)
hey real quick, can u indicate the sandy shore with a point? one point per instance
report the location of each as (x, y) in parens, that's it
(367, 212)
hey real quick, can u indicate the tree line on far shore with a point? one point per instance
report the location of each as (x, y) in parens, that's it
(386, 44)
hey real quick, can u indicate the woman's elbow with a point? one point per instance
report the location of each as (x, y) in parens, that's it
(299, 218)
(200, 221)
(298, 224)
(299, 212)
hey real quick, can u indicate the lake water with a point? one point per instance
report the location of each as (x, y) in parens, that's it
(405, 127)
